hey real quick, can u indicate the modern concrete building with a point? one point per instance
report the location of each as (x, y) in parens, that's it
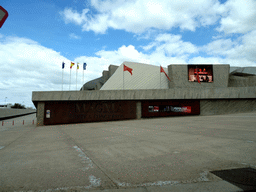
(96, 84)
(143, 92)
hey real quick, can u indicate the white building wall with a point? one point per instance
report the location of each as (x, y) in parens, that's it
(143, 76)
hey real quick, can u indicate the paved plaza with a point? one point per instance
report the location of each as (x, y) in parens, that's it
(156, 154)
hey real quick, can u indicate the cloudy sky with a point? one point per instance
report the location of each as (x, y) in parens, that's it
(39, 35)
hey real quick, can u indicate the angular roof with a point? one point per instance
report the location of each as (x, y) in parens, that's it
(244, 71)
(91, 85)
(143, 76)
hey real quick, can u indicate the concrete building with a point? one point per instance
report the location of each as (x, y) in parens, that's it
(201, 89)
(96, 84)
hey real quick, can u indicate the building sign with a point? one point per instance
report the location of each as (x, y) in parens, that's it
(202, 73)
(88, 111)
(48, 113)
(184, 109)
(164, 108)
(153, 108)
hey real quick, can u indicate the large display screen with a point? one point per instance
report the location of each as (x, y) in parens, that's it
(200, 73)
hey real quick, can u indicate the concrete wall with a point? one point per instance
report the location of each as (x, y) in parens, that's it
(65, 112)
(242, 81)
(105, 75)
(176, 93)
(98, 85)
(179, 77)
(112, 69)
(138, 110)
(224, 106)
(198, 107)
(7, 113)
(40, 114)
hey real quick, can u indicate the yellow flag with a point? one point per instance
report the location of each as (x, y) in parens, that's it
(72, 64)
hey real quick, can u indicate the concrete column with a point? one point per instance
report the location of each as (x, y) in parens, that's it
(138, 110)
(40, 113)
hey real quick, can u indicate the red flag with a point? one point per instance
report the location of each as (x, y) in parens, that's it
(128, 69)
(162, 70)
(197, 76)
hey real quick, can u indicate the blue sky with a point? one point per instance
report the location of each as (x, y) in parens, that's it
(39, 34)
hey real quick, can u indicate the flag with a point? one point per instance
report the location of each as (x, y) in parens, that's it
(197, 76)
(84, 66)
(72, 64)
(77, 65)
(63, 65)
(128, 69)
(162, 70)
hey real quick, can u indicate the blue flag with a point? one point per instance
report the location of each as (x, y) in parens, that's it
(63, 65)
(84, 66)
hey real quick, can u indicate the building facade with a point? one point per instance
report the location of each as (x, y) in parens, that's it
(146, 92)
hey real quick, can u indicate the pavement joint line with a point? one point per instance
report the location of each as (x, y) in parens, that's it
(84, 151)
(202, 177)
(242, 162)
(20, 137)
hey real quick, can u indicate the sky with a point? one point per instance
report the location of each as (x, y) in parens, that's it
(39, 35)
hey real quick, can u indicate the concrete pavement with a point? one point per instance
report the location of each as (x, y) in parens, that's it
(158, 154)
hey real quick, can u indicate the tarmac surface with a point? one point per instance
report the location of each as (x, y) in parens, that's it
(156, 154)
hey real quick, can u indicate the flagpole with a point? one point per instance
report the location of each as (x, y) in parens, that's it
(83, 77)
(123, 77)
(160, 78)
(76, 79)
(62, 78)
(70, 80)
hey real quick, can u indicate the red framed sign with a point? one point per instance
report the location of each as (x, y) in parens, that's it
(3, 16)
(165, 108)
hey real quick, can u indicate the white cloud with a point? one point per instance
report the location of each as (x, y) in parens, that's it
(27, 66)
(72, 16)
(74, 36)
(222, 47)
(123, 53)
(240, 49)
(240, 17)
(172, 45)
(207, 60)
(130, 53)
(138, 16)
